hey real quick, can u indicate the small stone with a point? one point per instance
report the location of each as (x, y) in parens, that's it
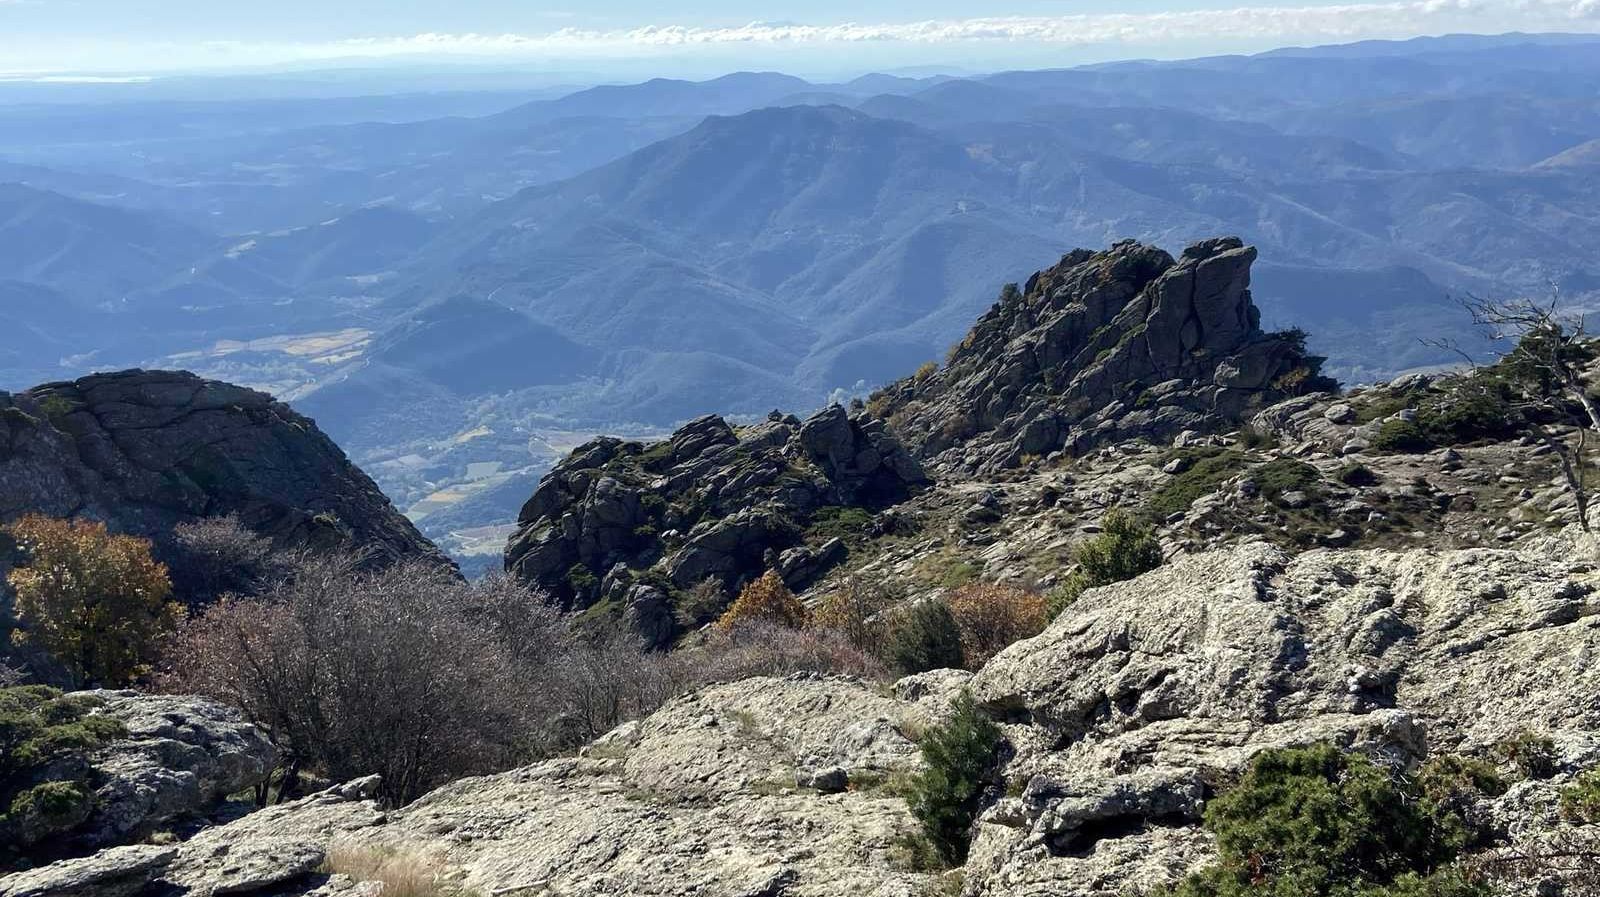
(1295, 499)
(1340, 413)
(1355, 447)
(1176, 465)
(829, 780)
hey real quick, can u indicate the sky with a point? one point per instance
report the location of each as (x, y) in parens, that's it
(709, 36)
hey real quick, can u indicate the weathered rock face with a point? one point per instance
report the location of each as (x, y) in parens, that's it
(1105, 346)
(1143, 695)
(181, 756)
(701, 798)
(279, 850)
(145, 450)
(630, 524)
(1129, 713)
(176, 762)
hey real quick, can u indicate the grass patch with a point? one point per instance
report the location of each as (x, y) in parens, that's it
(1282, 475)
(1209, 467)
(839, 522)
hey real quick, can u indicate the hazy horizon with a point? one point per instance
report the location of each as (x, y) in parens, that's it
(626, 38)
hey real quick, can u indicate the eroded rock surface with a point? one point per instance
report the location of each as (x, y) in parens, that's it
(1144, 695)
(698, 799)
(181, 756)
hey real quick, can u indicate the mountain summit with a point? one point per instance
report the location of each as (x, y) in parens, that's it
(1104, 346)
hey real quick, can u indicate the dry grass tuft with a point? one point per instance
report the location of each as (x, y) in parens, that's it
(403, 873)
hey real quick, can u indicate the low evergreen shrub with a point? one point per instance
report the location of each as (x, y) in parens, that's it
(958, 757)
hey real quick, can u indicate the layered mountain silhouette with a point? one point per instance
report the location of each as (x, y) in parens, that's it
(636, 255)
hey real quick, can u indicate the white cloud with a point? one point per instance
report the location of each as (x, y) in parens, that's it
(988, 39)
(1346, 21)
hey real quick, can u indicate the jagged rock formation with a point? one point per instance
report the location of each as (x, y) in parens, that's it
(629, 525)
(145, 450)
(177, 760)
(1105, 346)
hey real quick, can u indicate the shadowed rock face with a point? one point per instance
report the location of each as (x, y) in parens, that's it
(1105, 346)
(626, 523)
(146, 450)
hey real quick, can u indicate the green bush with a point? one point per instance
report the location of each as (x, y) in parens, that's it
(957, 758)
(1532, 754)
(1318, 822)
(1451, 786)
(1465, 409)
(1125, 547)
(1355, 474)
(924, 637)
(45, 740)
(1253, 437)
(1398, 435)
(582, 580)
(836, 521)
(1580, 799)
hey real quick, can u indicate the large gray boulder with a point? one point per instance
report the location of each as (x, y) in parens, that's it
(116, 872)
(180, 757)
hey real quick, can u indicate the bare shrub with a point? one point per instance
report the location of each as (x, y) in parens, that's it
(765, 648)
(599, 681)
(702, 604)
(858, 610)
(422, 678)
(399, 672)
(220, 555)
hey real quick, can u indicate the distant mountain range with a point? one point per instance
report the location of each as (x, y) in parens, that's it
(454, 283)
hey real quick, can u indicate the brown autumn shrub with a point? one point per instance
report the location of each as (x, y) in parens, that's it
(95, 602)
(991, 616)
(765, 599)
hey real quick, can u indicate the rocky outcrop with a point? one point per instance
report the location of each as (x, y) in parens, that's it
(145, 450)
(631, 525)
(1138, 705)
(1131, 708)
(180, 757)
(1105, 346)
(117, 872)
(701, 798)
(175, 761)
